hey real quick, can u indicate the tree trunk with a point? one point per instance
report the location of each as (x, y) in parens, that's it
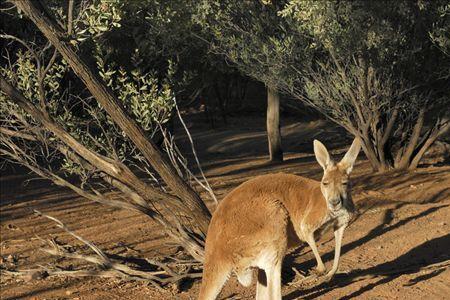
(406, 158)
(438, 129)
(221, 102)
(273, 125)
(143, 197)
(368, 149)
(384, 154)
(54, 33)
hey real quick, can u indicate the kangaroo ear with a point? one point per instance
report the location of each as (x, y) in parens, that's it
(321, 152)
(350, 157)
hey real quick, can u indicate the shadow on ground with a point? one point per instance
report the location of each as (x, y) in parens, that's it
(428, 253)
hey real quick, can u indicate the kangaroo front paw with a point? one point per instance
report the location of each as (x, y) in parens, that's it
(320, 270)
(331, 274)
(328, 277)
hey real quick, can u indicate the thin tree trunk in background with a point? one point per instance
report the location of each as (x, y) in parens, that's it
(113, 107)
(369, 152)
(221, 102)
(413, 140)
(437, 130)
(273, 125)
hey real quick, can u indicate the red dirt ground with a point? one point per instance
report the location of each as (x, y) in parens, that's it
(397, 249)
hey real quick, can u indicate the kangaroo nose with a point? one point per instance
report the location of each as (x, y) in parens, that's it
(336, 201)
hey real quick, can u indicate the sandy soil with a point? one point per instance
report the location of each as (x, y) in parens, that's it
(397, 249)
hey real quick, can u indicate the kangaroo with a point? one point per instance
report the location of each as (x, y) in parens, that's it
(255, 224)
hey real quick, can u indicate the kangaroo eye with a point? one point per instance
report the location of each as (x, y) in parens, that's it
(325, 183)
(344, 182)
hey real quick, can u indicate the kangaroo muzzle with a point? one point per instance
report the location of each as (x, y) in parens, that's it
(336, 203)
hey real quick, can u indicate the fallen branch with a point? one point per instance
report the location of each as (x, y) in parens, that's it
(162, 273)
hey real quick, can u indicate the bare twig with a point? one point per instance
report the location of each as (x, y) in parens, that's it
(69, 17)
(207, 186)
(26, 45)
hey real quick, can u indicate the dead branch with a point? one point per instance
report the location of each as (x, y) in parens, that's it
(173, 227)
(177, 231)
(104, 265)
(206, 185)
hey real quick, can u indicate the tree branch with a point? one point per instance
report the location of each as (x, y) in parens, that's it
(117, 112)
(105, 266)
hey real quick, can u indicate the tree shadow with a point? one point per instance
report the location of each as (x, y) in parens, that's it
(32, 294)
(413, 261)
(402, 180)
(425, 277)
(428, 253)
(55, 202)
(271, 167)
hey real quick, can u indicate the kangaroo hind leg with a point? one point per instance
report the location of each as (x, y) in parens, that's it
(214, 277)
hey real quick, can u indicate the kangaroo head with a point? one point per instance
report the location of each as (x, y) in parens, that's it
(335, 184)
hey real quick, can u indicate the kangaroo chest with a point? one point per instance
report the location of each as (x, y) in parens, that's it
(332, 220)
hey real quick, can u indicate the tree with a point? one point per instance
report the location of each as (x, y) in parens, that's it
(256, 40)
(167, 36)
(43, 126)
(387, 115)
(440, 33)
(365, 74)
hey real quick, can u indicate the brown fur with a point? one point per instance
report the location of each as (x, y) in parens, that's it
(255, 224)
